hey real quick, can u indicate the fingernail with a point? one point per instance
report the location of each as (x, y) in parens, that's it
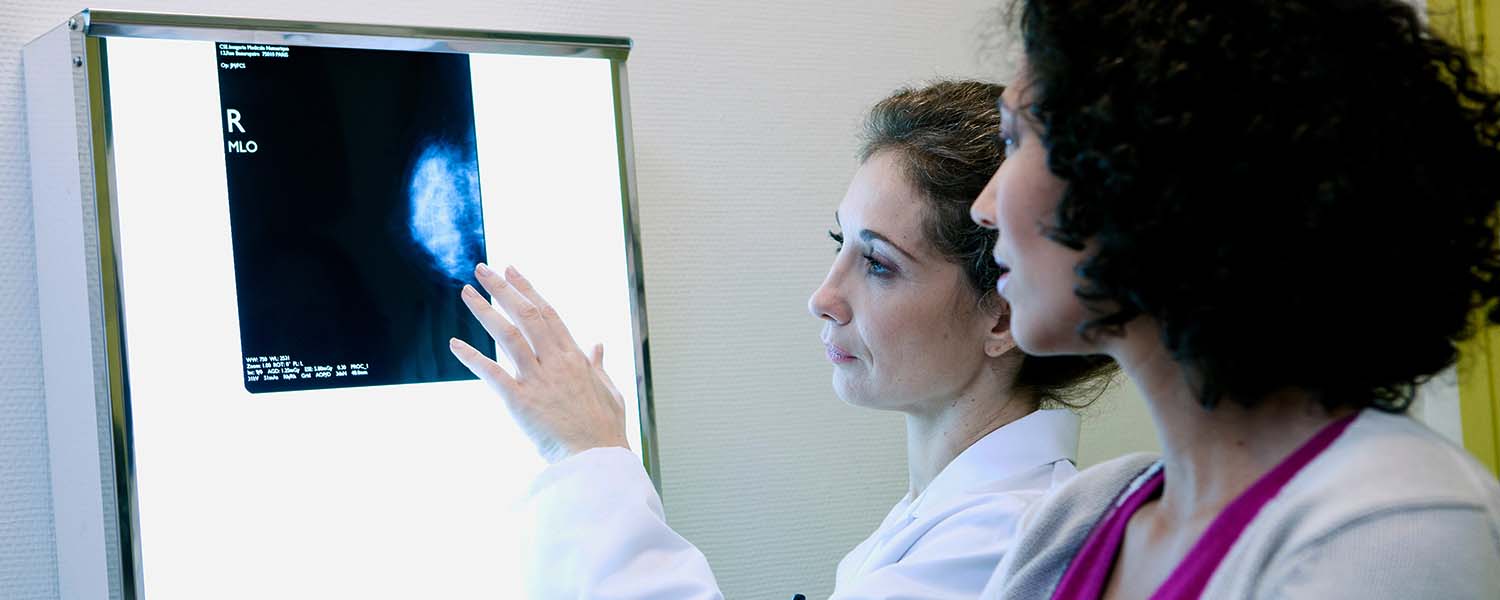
(469, 291)
(453, 344)
(511, 271)
(483, 270)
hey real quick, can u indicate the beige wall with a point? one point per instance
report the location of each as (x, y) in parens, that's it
(1116, 424)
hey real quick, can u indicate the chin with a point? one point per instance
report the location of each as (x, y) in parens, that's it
(853, 394)
(1039, 339)
(844, 391)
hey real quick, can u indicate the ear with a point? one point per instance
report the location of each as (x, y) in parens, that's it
(998, 340)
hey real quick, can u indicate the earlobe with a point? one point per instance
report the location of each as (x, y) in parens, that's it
(1000, 341)
(999, 344)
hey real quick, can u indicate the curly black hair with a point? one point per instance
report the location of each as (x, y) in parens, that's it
(944, 135)
(1302, 193)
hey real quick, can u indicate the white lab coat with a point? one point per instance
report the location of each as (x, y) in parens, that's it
(598, 530)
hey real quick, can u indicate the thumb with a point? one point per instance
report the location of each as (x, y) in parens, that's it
(598, 361)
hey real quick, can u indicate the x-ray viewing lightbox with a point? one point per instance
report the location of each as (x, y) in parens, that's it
(251, 237)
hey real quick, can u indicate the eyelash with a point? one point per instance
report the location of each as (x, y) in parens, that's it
(872, 266)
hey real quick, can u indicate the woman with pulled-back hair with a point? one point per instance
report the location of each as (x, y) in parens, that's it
(911, 323)
(1278, 217)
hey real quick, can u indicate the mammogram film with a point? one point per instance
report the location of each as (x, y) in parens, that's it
(355, 212)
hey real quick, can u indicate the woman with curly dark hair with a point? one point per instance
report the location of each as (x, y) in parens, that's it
(1278, 217)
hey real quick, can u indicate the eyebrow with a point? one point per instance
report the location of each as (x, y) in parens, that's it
(867, 235)
(1022, 111)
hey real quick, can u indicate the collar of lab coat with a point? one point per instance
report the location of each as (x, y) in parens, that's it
(1035, 440)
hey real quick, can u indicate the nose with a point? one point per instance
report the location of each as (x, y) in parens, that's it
(982, 211)
(827, 302)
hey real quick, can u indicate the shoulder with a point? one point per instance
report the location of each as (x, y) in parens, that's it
(1080, 501)
(1051, 532)
(988, 513)
(1390, 498)
(1411, 552)
(1385, 463)
(1088, 494)
(947, 549)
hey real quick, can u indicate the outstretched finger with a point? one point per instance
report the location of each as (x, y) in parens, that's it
(526, 316)
(506, 335)
(559, 330)
(481, 366)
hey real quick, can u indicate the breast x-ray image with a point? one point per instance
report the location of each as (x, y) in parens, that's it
(354, 203)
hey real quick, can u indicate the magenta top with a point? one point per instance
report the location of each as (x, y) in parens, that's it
(1090, 569)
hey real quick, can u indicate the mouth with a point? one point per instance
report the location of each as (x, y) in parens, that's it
(1004, 274)
(838, 355)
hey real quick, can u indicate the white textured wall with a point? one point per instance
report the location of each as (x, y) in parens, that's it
(745, 114)
(27, 555)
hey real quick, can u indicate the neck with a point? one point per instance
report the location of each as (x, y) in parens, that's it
(1211, 456)
(935, 437)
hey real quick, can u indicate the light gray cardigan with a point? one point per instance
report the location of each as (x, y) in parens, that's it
(1390, 510)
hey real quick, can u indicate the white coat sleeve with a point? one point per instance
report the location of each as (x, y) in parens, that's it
(597, 531)
(952, 560)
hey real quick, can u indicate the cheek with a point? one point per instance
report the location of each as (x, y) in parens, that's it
(1045, 309)
(919, 339)
(1046, 312)
(1027, 195)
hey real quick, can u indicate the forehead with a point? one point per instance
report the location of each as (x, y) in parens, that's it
(881, 199)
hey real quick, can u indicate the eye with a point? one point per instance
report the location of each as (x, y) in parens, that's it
(837, 237)
(1007, 142)
(876, 268)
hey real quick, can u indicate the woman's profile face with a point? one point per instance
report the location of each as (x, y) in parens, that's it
(1038, 277)
(902, 325)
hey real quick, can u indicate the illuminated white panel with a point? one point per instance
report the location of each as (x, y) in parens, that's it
(399, 491)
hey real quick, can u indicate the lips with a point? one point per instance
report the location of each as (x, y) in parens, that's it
(1004, 274)
(838, 355)
(1000, 262)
